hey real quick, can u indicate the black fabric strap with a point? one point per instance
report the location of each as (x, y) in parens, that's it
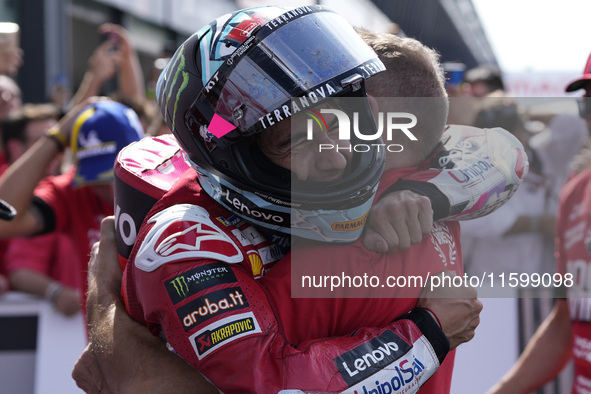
(46, 215)
(431, 330)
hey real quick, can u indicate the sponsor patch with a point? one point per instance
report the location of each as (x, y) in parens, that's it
(184, 231)
(367, 359)
(253, 235)
(256, 264)
(213, 304)
(223, 332)
(241, 237)
(193, 281)
(231, 221)
(351, 225)
(475, 173)
(270, 254)
(444, 243)
(244, 206)
(405, 375)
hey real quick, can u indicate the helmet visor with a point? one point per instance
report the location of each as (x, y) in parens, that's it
(309, 57)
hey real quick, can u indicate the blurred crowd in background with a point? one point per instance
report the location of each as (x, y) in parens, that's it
(516, 238)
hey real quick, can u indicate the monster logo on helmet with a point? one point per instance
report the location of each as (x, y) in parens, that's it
(226, 78)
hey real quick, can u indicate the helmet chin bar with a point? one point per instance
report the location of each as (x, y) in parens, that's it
(324, 225)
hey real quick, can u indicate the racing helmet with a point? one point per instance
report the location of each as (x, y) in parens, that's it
(222, 85)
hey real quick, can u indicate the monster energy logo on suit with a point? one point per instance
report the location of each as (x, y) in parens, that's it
(193, 281)
(180, 285)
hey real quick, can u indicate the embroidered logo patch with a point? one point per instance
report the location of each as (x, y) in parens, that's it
(184, 231)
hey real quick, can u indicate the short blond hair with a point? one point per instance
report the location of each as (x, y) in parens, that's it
(415, 77)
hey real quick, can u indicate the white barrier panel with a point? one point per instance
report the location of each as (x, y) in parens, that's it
(493, 350)
(38, 346)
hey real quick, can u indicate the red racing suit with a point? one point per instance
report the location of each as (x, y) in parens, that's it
(192, 277)
(573, 248)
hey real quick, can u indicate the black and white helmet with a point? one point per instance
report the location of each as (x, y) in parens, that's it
(227, 80)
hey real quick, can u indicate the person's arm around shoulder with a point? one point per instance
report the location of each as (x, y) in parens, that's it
(397, 221)
(544, 357)
(406, 211)
(111, 362)
(122, 355)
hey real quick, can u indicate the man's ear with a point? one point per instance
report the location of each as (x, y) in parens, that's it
(375, 108)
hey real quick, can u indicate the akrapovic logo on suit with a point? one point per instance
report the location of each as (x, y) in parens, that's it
(222, 332)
